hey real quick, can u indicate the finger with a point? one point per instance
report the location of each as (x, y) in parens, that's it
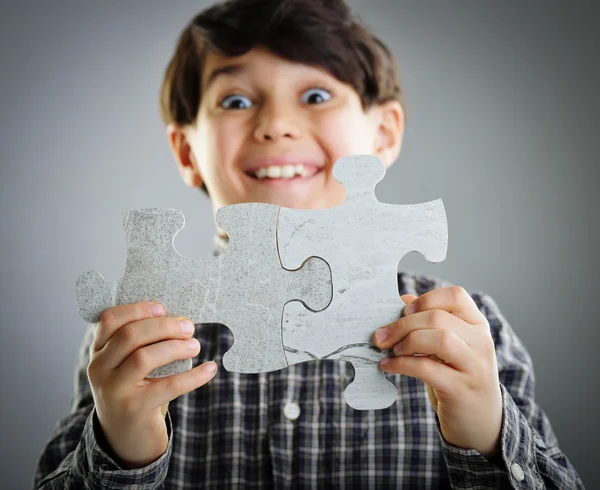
(407, 298)
(144, 360)
(115, 317)
(171, 387)
(436, 374)
(445, 345)
(388, 336)
(453, 299)
(141, 333)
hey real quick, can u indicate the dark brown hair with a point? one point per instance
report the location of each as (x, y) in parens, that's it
(323, 33)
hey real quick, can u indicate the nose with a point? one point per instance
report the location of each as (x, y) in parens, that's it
(274, 123)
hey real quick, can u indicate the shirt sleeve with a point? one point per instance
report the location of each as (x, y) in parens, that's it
(530, 457)
(78, 455)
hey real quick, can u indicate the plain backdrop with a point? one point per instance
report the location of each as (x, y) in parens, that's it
(503, 125)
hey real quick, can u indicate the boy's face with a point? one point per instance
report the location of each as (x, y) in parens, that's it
(270, 130)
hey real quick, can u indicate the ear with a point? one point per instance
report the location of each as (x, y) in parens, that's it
(186, 162)
(390, 131)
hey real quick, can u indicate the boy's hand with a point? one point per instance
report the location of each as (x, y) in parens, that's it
(457, 364)
(130, 341)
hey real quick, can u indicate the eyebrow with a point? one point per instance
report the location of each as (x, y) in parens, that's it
(223, 70)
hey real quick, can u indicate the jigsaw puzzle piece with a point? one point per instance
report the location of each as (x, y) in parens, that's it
(154, 271)
(375, 236)
(257, 287)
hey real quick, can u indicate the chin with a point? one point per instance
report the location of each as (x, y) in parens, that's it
(307, 203)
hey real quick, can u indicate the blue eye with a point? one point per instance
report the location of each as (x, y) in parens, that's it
(236, 102)
(316, 96)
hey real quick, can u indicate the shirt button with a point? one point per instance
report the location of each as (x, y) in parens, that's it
(291, 411)
(517, 472)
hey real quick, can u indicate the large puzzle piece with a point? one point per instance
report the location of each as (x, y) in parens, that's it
(363, 241)
(244, 288)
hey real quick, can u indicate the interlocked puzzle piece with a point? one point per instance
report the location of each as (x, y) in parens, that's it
(243, 288)
(363, 241)
(247, 286)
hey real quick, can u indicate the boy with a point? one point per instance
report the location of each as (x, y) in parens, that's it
(260, 99)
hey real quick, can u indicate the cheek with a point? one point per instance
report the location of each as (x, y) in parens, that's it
(220, 133)
(343, 135)
(220, 141)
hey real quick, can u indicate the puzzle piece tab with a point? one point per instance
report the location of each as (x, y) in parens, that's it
(244, 288)
(363, 241)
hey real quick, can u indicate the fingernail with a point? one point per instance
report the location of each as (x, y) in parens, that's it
(411, 308)
(192, 344)
(211, 367)
(385, 360)
(396, 348)
(157, 309)
(381, 334)
(187, 326)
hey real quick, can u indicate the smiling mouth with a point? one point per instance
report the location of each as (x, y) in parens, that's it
(283, 172)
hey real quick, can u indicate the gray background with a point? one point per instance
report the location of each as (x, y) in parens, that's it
(503, 125)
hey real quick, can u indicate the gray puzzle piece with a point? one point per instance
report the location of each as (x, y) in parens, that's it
(363, 241)
(244, 288)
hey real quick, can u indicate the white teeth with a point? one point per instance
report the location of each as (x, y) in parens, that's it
(274, 172)
(282, 172)
(288, 171)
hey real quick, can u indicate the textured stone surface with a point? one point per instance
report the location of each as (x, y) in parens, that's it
(363, 241)
(243, 288)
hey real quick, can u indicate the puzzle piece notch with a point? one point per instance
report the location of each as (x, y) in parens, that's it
(208, 290)
(312, 278)
(359, 180)
(369, 390)
(375, 236)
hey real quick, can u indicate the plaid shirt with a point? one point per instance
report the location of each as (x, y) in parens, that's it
(292, 429)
